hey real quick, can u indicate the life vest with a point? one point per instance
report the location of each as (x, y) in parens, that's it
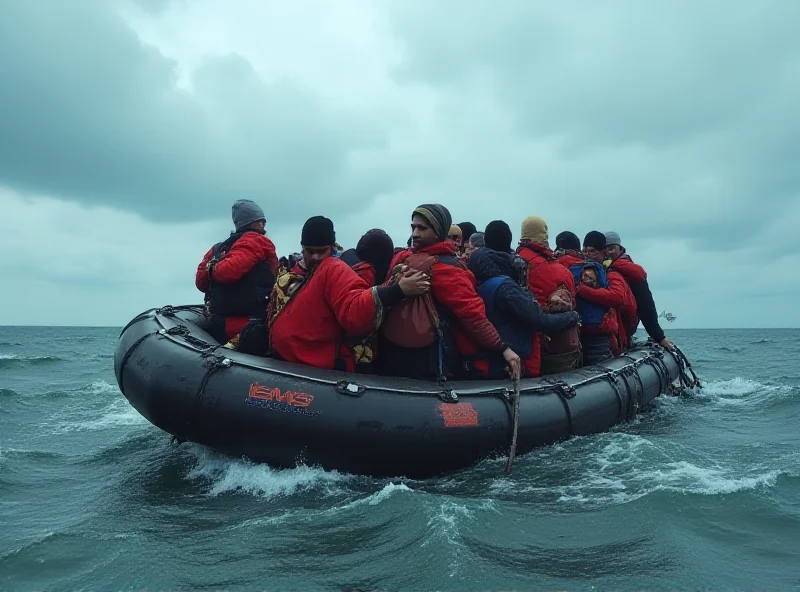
(592, 315)
(513, 333)
(245, 298)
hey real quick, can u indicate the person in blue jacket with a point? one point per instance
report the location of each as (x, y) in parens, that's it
(512, 309)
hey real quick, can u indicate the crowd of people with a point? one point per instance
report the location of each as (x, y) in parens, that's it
(454, 303)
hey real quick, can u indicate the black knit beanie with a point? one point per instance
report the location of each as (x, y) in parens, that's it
(568, 241)
(467, 230)
(596, 240)
(318, 232)
(497, 236)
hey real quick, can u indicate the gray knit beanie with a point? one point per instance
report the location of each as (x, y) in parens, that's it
(612, 238)
(244, 212)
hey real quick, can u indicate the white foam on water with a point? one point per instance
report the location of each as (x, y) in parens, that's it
(743, 392)
(101, 387)
(233, 475)
(117, 412)
(632, 467)
(686, 477)
(388, 490)
(309, 516)
(444, 521)
(29, 358)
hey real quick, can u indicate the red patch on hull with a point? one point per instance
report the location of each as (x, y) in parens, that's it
(458, 415)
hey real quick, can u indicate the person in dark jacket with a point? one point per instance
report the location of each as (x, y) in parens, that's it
(371, 257)
(511, 309)
(237, 275)
(497, 236)
(636, 277)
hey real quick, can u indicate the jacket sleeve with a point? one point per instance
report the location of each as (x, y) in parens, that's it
(512, 299)
(243, 256)
(601, 296)
(454, 287)
(569, 281)
(366, 272)
(201, 278)
(354, 303)
(646, 309)
(629, 269)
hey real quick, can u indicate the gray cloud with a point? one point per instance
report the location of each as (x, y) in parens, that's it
(91, 114)
(672, 123)
(687, 106)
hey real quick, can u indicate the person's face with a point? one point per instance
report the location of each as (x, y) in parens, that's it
(593, 254)
(260, 226)
(313, 256)
(422, 233)
(589, 277)
(613, 252)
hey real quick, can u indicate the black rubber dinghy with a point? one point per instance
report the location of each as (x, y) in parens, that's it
(283, 414)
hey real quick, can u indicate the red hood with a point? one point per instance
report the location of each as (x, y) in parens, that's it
(536, 248)
(570, 258)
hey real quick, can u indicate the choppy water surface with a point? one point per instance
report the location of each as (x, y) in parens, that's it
(698, 493)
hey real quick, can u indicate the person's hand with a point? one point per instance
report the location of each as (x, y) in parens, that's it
(666, 344)
(574, 317)
(513, 361)
(414, 283)
(399, 270)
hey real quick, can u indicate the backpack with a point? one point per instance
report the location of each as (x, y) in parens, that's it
(414, 323)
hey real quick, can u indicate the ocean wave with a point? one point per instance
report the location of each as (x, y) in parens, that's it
(229, 475)
(744, 392)
(118, 414)
(762, 340)
(11, 360)
(443, 531)
(106, 409)
(10, 344)
(610, 469)
(729, 349)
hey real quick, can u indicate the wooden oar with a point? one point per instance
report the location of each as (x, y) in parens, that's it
(513, 450)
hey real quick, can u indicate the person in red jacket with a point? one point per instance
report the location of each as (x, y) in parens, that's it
(617, 297)
(461, 330)
(310, 316)
(237, 274)
(544, 277)
(568, 249)
(636, 277)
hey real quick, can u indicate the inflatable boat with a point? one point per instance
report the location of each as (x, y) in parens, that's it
(182, 381)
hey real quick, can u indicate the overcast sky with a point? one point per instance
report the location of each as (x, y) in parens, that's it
(127, 129)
